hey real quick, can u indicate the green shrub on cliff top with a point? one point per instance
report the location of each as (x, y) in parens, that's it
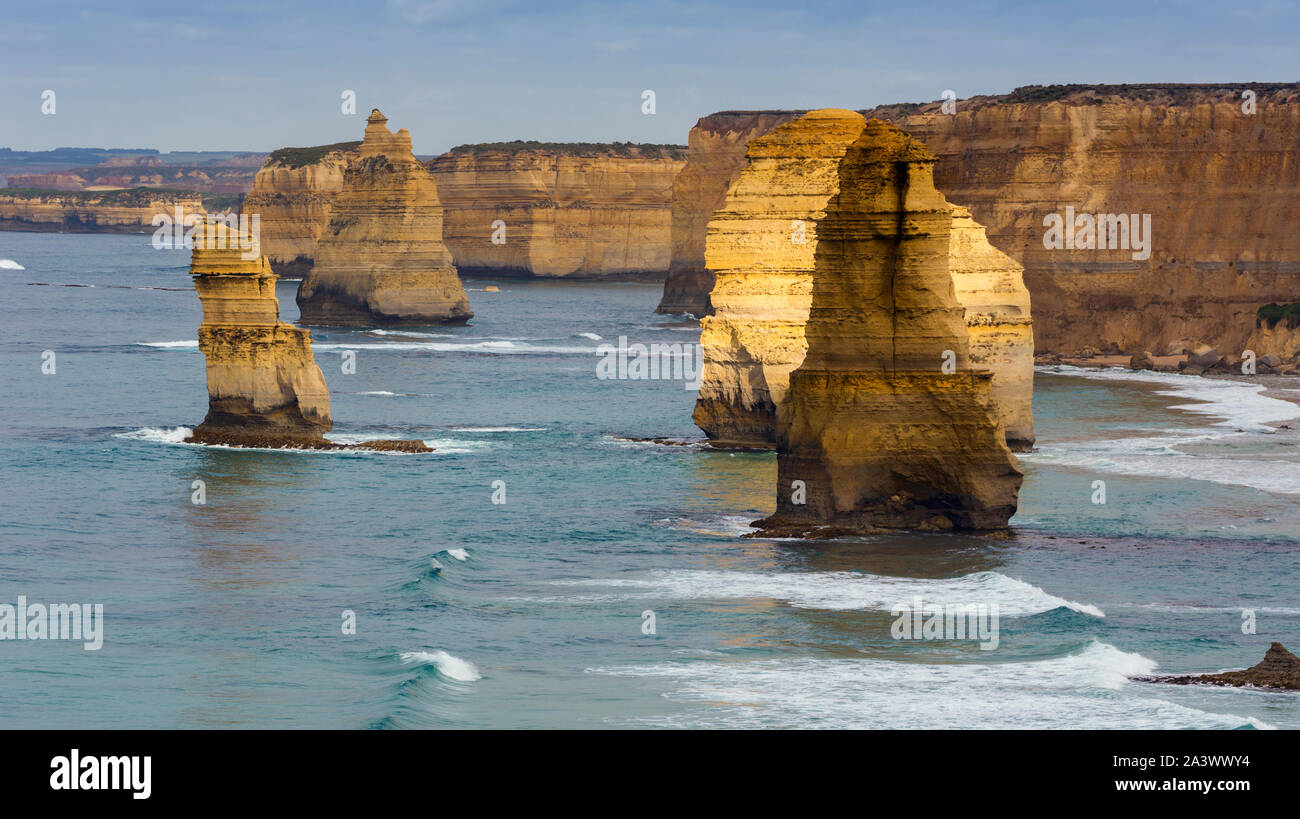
(298, 157)
(1270, 314)
(620, 149)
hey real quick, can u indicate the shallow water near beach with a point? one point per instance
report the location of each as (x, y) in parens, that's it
(530, 613)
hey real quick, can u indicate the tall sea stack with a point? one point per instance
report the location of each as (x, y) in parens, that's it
(885, 424)
(760, 251)
(382, 260)
(264, 388)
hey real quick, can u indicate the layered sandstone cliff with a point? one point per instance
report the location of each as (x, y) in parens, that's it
(294, 193)
(129, 211)
(381, 259)
(874, 432)
(574, 211)
(264, 388)
(1222, 188)
(760, 250)
(716, 154)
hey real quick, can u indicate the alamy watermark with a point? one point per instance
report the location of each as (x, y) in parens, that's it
(1102, 231)
(56, 621)
(654, 362)
(934, 621)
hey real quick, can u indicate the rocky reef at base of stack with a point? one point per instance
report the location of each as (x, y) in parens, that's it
(1280, 669)
(382, 260)
(294, 194)
(759, 250)
(874, 433)
(264, 387)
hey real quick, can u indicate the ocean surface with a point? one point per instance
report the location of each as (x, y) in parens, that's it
(534, 612)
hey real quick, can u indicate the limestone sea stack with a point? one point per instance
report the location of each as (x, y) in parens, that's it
(264, 388)
(381, 259)
(990, 285)
(759, 252)
(760, 249)
(875, 431)
(294, 195)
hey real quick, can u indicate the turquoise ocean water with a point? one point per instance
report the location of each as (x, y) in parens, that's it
(530, 613)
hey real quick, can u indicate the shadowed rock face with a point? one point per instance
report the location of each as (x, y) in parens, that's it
(1279, 669)
(381, 260)
(760, 247)
(264, 388)
(877, 434)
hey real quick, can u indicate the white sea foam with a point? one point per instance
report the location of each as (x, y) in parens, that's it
(459, 554)
(498, 347)
(1063, 692)
(10, 264)
(591, 336)
(408, 334)
(1237, 404)
(377, 392)
(499, 429)
(1234, 406)
(449, 666)
(158, 435)
(170, 345)
(837, 591)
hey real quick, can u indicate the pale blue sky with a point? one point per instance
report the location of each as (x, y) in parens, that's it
(256, 75)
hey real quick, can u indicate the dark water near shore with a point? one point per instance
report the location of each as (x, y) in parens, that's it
(530, 613)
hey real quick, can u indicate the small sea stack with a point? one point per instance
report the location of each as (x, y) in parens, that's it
(264, 387)
(885, 424)
(1279, 669)
(381, 260)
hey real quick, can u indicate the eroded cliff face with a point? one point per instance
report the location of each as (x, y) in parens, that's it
(760, 250)
(553, 213)
(381, 259)
(264, 388)
(294, 194)
(1222, 188)
(873, 433)
(130, 211)
(716, 154)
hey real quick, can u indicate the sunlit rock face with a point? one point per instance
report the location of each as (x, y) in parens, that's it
(381, 260)
(264, 388)
(293, 194)
(760, 249)
(885, 425)
(558, 211)
(716, 154)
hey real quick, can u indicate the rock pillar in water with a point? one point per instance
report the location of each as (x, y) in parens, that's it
(381, 260)
(264, 388)
(885, 424)
(760, 249)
